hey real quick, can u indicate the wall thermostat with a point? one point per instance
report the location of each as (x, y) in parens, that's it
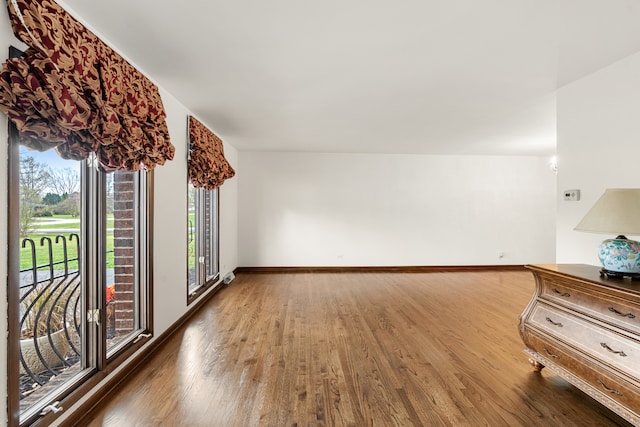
(571, 195)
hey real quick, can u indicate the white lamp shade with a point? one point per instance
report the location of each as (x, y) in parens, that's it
(616, 212)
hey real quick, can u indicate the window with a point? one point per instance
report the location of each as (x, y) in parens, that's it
(79, 286)
(207, 169)
(203, 239)
(79, 259)
(127, 271)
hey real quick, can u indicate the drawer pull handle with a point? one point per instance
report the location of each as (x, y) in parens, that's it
(629, 315)
(555, 356)
(554, 323)
(621, 353)
(562, 294)
(610, 390)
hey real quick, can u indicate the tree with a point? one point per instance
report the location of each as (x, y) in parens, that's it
(34, 179)
(64, 180)
(109, 178)
(34, 176)
(69, 206)
(51, 199)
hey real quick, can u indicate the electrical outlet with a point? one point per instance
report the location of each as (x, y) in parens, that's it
(571, 195)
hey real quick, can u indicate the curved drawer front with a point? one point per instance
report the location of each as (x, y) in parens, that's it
(609, 385)
(614, 349)
(622, 313)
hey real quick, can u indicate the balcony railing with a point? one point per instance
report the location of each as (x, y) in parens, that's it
(50, 321)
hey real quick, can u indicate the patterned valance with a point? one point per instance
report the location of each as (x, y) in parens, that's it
(208, 168)
(71, 92)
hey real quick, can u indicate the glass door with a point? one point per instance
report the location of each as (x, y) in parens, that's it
(51, 282)
(80, 275)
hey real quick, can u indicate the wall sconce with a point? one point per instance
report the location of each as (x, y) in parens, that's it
(553, 164)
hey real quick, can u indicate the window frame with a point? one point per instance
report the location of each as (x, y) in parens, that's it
(204, 282)
(143, 256)
(100, 363)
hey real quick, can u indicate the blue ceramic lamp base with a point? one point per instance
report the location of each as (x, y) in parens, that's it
(620, 258)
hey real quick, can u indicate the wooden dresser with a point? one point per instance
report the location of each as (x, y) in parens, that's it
(586, 328)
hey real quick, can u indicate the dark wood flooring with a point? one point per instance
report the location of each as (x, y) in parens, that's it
(354, 349)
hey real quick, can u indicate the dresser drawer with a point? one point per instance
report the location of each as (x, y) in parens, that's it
(617, 350)
(587, 329)
(595, 376)
(622, 313)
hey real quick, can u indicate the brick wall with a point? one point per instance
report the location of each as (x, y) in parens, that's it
(124, 257)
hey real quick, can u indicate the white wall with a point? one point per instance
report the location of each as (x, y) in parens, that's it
(305, 209)
(170, 221)
(170, 224)
(229, 216)
(598, 148)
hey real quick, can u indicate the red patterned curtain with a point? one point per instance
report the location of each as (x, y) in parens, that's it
(71, 92)
(208, 168)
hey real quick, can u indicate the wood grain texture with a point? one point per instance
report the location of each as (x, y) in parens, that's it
(383, 269)
(353, 349)
(585, 329)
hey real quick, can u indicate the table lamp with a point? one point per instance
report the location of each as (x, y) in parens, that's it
(616, 212)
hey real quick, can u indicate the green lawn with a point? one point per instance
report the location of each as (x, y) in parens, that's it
(66, 225)
(57, 249)
(54, 217)
(42, 251)
(52, 223)
(191, 256)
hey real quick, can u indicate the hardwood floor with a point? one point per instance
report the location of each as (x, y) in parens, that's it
(354, 349)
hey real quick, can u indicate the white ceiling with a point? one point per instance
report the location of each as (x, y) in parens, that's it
(409, 76)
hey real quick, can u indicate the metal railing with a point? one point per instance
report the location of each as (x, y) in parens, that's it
(49, 310)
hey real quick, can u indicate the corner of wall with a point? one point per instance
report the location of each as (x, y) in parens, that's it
(229, 215)
(598, 133)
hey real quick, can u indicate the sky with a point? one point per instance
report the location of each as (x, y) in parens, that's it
(49, 157)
